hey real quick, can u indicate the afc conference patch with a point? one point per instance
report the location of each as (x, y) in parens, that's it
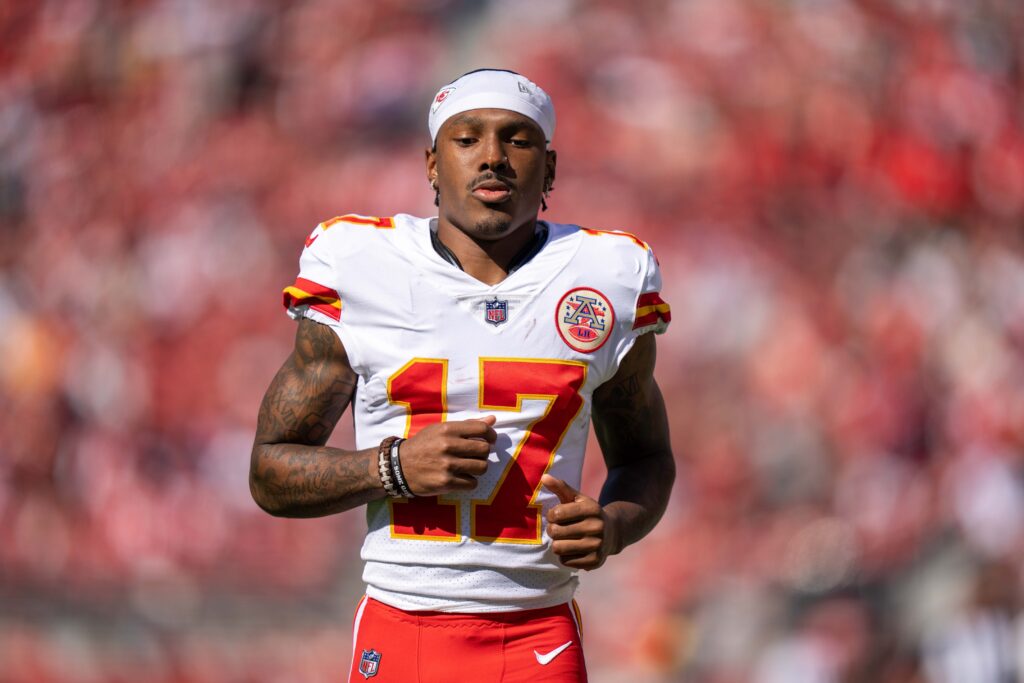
(585, 319)
(496, 312)
(369, 663)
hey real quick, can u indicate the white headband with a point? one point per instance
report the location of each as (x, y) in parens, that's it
(492, 89)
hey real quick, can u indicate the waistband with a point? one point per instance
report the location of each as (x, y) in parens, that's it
(435, 618)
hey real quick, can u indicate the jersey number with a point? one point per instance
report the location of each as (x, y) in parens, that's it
(510, 514)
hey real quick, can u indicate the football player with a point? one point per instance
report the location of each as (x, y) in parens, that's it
(474, 347)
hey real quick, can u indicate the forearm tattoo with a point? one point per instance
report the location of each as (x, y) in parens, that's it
(292, 472)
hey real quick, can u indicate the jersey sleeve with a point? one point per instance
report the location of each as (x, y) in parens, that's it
(648, 312)
(336, 284)
(314, 294)
(652, 314)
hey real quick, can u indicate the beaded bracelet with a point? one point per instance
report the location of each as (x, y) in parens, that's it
(396, 470)
(384, 467)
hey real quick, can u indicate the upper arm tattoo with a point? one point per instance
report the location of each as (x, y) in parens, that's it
(310, 391)
(629, 411)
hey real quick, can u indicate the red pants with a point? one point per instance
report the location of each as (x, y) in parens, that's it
(391, 645)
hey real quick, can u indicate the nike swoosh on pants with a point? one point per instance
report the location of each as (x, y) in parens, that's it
(545, 659)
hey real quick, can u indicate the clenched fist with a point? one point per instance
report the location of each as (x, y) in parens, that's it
(581, 533)
(448, 456)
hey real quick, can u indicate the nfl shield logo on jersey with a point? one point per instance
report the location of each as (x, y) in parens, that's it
(369, 664)
(496, 311)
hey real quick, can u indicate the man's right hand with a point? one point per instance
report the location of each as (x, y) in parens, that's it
(447, 456)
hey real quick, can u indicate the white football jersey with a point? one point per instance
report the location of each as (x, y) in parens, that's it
(430, 343)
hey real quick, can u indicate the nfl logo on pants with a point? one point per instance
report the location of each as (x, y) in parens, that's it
(369, 664)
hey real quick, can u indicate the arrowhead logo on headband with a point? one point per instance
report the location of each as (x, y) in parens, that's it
(441, 97)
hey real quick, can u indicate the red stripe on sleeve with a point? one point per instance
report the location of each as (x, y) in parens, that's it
(319, 298)
(328, 310)
(649, 299)
(652, 318)
(315, 289)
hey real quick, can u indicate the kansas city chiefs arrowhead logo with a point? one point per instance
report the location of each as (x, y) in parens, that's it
(441, 97)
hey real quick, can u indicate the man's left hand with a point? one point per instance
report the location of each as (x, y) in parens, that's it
(582, 534)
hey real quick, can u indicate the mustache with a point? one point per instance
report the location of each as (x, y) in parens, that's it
(489, 176)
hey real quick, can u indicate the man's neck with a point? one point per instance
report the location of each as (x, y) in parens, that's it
(486, 260)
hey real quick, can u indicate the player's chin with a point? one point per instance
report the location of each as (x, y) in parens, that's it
(493, 224)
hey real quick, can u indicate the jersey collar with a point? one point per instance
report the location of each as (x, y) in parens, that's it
(531, 249)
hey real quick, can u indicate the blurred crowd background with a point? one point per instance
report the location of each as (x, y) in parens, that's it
(835, 189)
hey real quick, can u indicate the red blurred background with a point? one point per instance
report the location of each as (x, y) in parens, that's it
(835, 189)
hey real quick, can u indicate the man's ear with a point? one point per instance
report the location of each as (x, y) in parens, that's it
(549, 168)
(430, 156)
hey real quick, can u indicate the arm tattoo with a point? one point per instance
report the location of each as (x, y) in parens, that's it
(292, 472)
(310, 391)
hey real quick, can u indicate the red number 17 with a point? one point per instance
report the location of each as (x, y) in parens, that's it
(510, 514)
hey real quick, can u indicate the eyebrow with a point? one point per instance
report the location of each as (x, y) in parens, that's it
(468, 119)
